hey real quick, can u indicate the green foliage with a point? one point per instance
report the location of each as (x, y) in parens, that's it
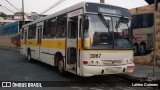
(3, 14)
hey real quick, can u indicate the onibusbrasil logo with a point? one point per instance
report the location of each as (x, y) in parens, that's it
(21, 84)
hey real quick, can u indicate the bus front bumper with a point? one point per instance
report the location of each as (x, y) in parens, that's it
(102, 70)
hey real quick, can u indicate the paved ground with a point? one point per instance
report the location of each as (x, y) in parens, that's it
(10, 48)
(145, 71)
(15, 67)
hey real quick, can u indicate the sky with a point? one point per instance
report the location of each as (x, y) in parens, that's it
(40, 6)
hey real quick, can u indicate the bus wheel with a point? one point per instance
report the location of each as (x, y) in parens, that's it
(61, 67)
(136, 49)
(29, 56)
(142, 49)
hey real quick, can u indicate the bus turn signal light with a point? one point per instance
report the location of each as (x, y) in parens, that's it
(85, 62)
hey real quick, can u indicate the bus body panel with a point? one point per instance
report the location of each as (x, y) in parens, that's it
(106, 62)
(103, 70)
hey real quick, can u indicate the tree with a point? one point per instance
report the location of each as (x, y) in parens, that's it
(3, 14)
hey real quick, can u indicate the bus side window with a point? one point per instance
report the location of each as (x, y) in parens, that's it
(51, 28)
(80, 27)
(25, 36)
(136, 21)
(72, 29)
(32, 32)
(147, 20)
(142, 21)
(22, 33)
(61, 27)
(44, 29)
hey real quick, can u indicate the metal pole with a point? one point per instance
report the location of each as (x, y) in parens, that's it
(154, 39)
(23, 12)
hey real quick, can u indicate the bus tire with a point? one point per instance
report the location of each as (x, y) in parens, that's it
(61, 67)
(142, 49)
(136, 49)
(29, 58)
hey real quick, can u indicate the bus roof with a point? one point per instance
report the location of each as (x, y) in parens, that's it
(72, 8)
(77, 6)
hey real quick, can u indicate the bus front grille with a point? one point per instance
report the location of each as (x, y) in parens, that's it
(112, 62)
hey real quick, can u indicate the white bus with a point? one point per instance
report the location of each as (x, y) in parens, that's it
(86, 39)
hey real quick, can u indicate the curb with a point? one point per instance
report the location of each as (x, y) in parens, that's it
(11, 49)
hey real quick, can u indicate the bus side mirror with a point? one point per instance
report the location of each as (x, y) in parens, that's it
(124, 20)
(86, 24)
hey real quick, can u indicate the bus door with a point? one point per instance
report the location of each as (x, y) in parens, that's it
(71, 45)
(39, 40)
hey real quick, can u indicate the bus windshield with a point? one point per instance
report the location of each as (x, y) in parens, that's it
(107, 33)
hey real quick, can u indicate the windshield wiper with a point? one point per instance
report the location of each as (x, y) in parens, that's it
(122, 20)
(117, 24)
(106, 24)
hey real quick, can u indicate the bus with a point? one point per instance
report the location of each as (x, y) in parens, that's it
(86, 39)
(143, 28)
(16, 40)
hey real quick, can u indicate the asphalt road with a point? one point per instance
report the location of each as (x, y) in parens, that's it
(15, 67)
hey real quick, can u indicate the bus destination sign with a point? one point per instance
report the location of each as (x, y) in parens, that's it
(108, 9)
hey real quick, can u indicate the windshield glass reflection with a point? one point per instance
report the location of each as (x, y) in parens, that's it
(100, 36)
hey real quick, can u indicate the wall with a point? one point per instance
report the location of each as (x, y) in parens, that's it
(5, 41)
(6, 32)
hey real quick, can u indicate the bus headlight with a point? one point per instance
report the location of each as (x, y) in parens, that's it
(97, 62)
(127, 61)
(92, 62)
(131, 60)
